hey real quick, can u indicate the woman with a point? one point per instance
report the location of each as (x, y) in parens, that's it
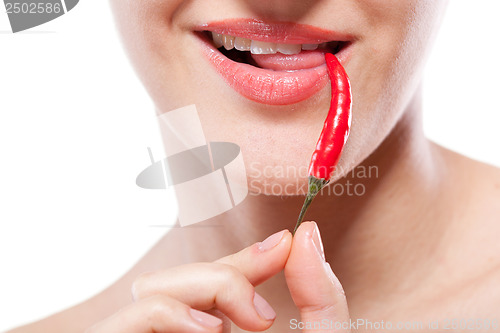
(415, 250)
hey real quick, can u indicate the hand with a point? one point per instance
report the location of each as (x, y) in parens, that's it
(174, 300)
(315, 290)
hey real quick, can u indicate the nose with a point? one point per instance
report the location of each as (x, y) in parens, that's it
(282, 10)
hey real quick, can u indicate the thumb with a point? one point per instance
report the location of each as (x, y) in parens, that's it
(315, 290)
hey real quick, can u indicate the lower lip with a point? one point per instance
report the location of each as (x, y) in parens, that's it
(268, 86)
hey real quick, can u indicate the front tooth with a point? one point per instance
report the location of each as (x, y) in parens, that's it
(289, 48)
(258, 47)
(242, 44)
(228, 42)
(218, 41)
(309, 47)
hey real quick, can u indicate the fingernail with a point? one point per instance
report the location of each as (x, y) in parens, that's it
(316, 238)
(205, 319)
(271, 241)
(334, 279)
(263, 308)
(329, 271)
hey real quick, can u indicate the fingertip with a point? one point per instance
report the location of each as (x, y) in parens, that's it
(262, 260)
(306, 248)
(264, 310)
(205, 319)
(287, 238)
(307, 232)
(306, 256)
(304, 226)
(273, 241)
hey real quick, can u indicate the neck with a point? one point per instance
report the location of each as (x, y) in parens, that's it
(373, 237)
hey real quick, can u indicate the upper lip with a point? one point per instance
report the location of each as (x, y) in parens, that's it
(279, 32)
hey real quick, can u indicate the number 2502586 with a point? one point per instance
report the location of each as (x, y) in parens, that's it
(33, 8)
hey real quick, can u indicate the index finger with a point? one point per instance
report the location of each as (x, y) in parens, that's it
(262, 260)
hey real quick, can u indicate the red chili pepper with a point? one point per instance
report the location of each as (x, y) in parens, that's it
(334, 135)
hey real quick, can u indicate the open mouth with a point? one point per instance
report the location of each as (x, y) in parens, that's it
(276, 64)
(273, 56)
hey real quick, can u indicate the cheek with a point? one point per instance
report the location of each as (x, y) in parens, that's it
(387, 69)
(154, 44)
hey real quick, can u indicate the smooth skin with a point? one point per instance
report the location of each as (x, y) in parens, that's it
(420, 244)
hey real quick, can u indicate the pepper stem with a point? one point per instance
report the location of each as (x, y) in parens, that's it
(315, 185)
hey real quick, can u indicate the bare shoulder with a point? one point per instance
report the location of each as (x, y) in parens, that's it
(479, 207)
(483, 181)
(474, 254)
(478, 187)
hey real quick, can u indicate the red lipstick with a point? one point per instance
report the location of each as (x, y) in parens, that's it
(274, 79)
(278, 32)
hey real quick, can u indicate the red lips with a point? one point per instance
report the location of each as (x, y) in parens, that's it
(279, 79)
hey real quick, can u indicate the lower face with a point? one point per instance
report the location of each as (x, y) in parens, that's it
(256, 72)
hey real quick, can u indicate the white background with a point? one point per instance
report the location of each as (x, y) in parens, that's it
(75, 125)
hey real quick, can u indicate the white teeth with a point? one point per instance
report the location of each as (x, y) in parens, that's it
(309, 47)
(258, 47)
(228, 42)
(218, 41)
(289, 48)
(242, 44)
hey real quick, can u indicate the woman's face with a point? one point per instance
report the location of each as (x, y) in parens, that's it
(273, 106)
